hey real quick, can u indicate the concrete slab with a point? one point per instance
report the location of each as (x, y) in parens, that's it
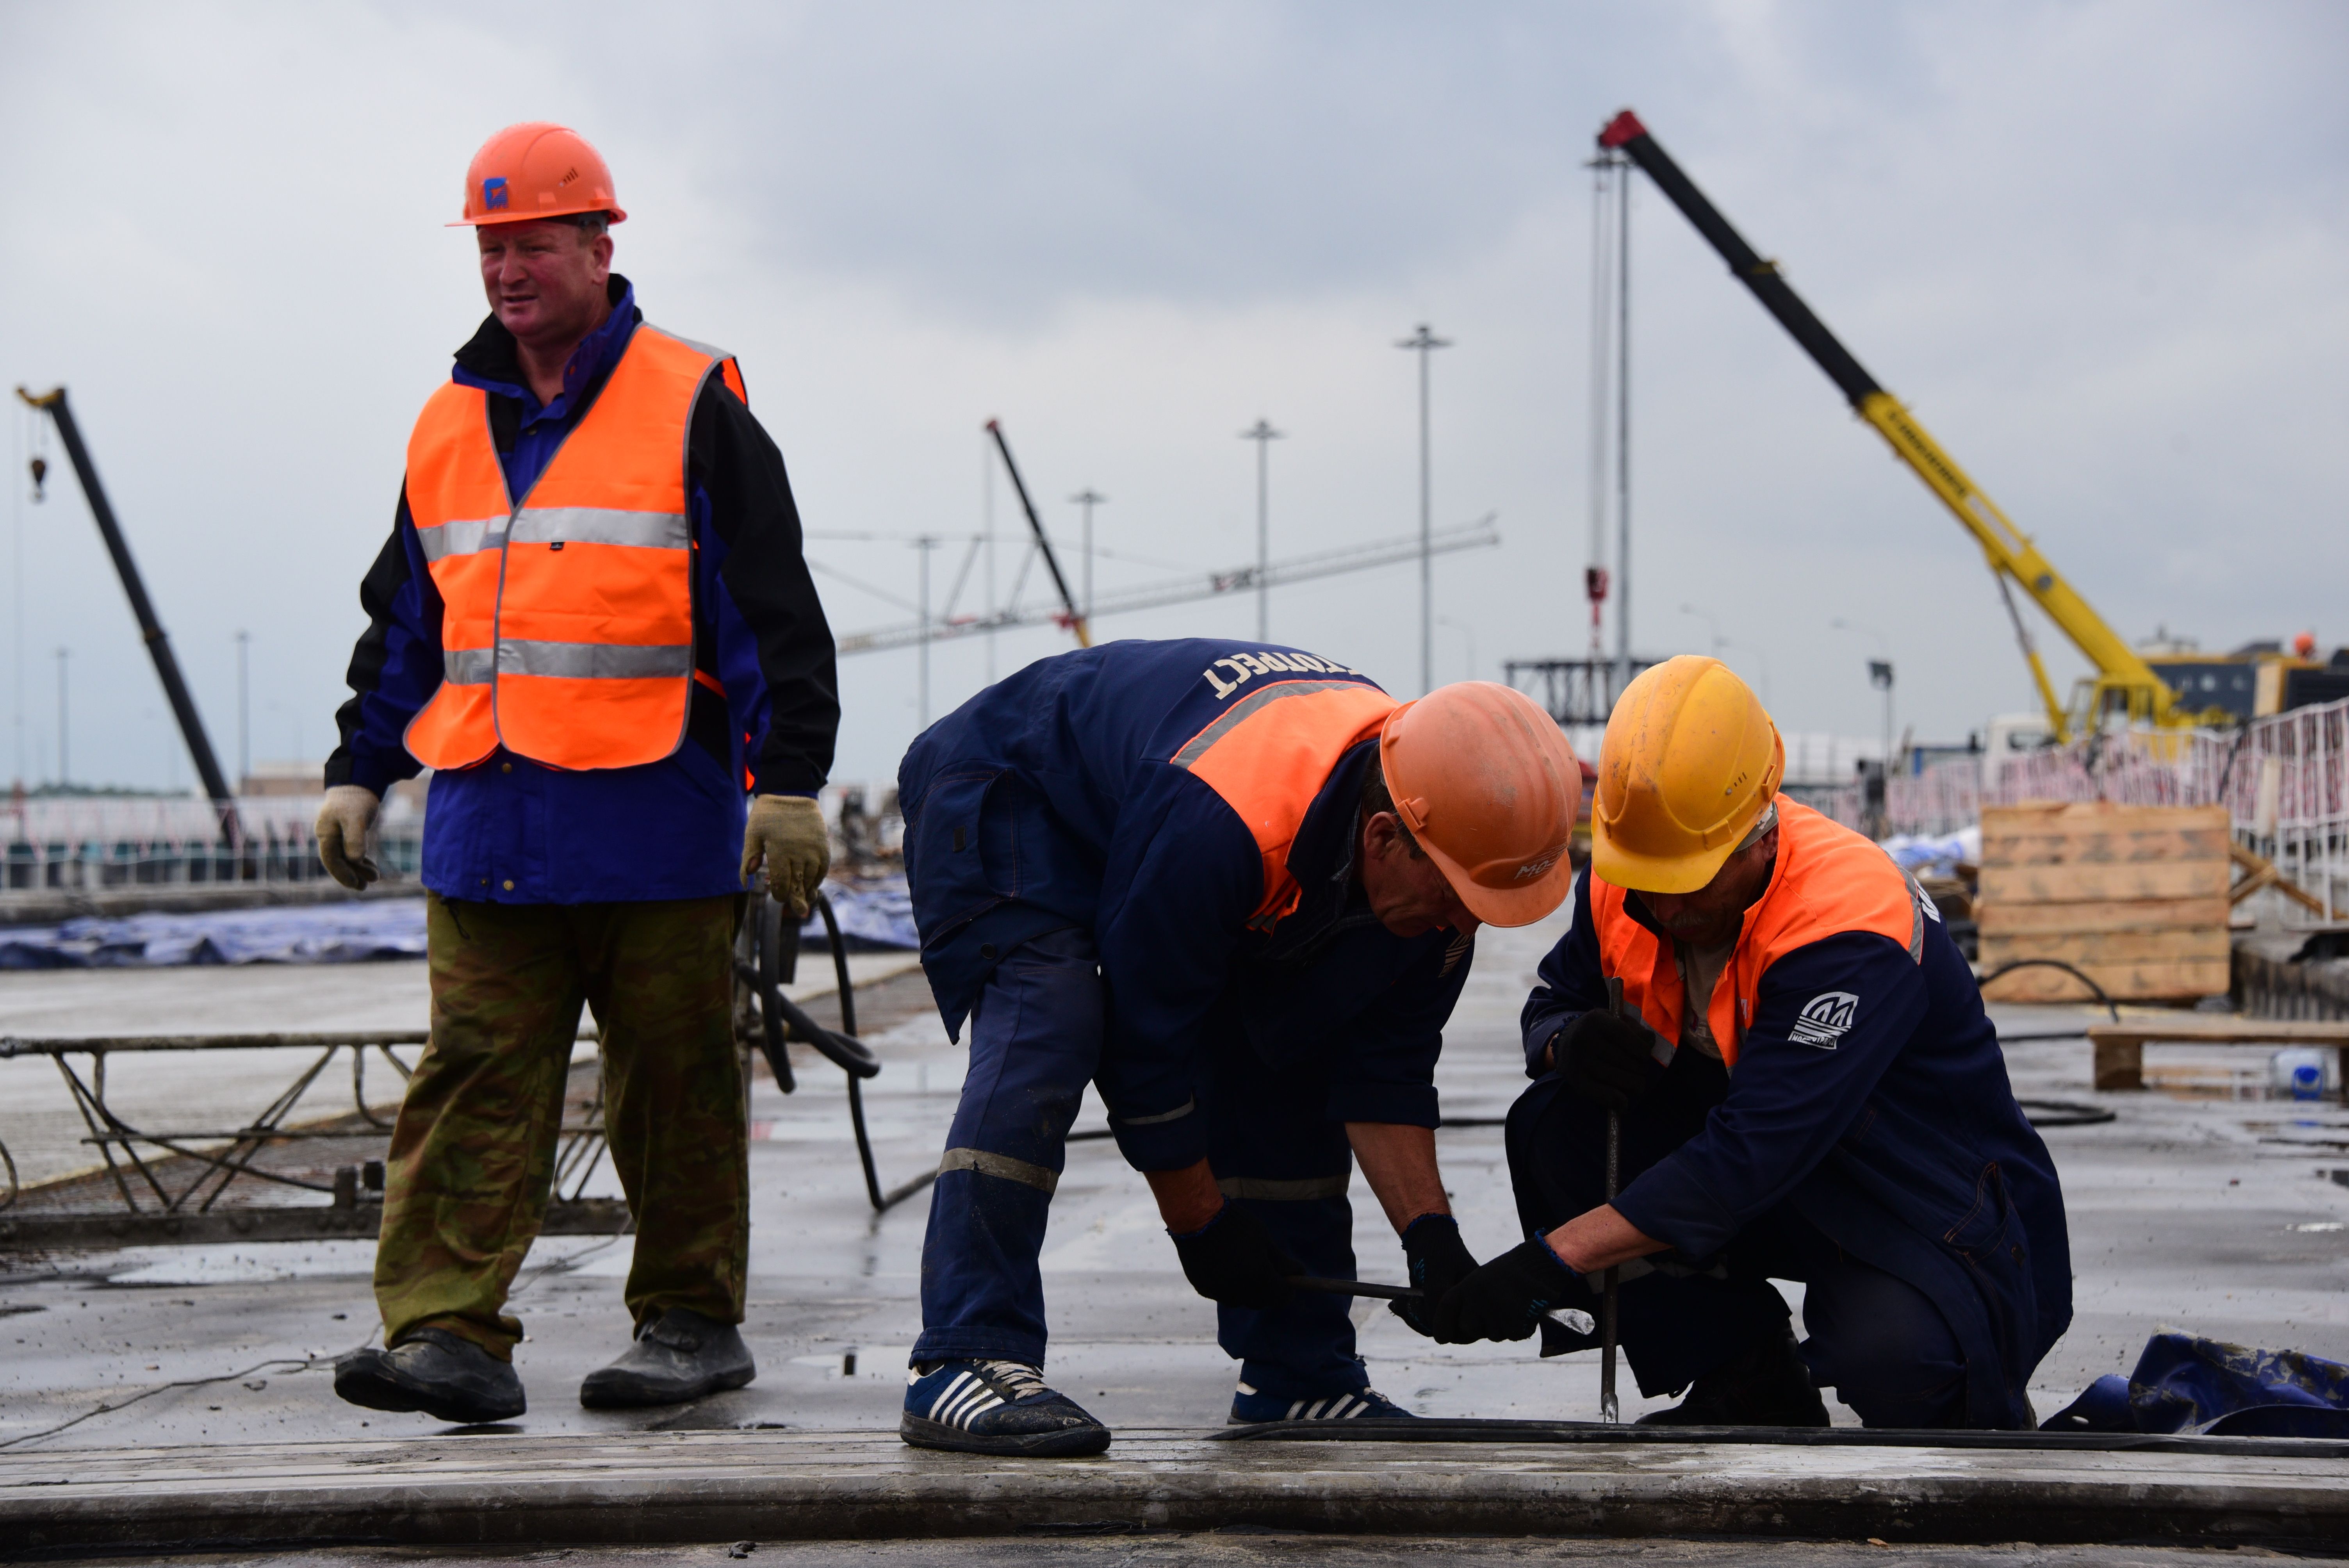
(496, 1489)
(2202, 1213)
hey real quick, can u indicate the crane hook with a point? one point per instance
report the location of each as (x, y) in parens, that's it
(40, 472)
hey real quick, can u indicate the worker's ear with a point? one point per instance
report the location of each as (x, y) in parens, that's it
(1381, 831)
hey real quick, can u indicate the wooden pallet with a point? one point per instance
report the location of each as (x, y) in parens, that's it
(2120, 1048)
(2132, 896)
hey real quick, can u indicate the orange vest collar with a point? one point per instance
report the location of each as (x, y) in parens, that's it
(1827, 881)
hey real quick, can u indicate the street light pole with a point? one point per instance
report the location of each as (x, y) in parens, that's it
(64, 766)
(1088, 498)
(243, 714)
(925, 544)
(1263, 435)
(1424, 343)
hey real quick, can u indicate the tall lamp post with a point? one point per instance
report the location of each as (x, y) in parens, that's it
(65, 765)
(1088, 498)
(1425, 343)
(1263, 435)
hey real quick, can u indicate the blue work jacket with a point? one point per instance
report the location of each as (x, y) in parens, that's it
(1897, 1135)
(762, 713)
(1061, 798)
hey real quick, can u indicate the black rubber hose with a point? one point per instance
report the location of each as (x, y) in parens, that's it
(1438, 1429)
(864, 1065)
(2053, 963)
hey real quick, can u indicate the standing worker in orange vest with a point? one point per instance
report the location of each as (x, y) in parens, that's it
(1809, 1091)
(594, 622)
(1236, 890)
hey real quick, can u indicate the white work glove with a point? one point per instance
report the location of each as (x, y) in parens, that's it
(344, 824)
(786, 834)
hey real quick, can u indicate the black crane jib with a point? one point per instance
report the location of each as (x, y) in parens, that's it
(1625, 135)
(150, 629)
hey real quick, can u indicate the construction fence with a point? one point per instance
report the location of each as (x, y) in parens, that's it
(2284, 780)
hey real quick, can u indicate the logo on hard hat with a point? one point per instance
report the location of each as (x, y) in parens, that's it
(1826, 1019)
(493, 195)
(1536, 868)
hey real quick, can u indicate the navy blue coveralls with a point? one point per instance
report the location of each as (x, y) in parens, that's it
(1103, 912)
(1884, 1162)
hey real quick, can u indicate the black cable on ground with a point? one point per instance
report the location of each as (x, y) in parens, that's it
(2055, 964)
(1438, 1429)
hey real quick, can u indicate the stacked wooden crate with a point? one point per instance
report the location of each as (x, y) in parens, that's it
(2132, 896)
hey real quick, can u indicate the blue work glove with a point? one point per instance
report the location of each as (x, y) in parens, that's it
(1610, 1061)
(1437, 1259)
(1233, 1259)
(1506, 1298)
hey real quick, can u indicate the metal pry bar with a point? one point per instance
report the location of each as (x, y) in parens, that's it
(1610, 1299)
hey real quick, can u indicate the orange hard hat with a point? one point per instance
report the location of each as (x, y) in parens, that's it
(1488, 786)
(536, 170)
(1689, 764)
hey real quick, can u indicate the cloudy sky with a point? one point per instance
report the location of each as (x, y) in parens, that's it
(2096, 246)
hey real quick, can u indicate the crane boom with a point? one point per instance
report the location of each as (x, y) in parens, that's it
(2124, 681)
(143, 609)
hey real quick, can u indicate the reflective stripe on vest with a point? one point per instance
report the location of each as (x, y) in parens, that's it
(567, 623)
(1270, 754)
(1828, 881)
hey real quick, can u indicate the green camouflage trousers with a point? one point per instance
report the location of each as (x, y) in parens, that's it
(472, 1156)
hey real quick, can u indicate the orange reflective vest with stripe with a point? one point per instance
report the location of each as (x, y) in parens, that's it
(1268, 755)
(1827, 881)
(566, 627)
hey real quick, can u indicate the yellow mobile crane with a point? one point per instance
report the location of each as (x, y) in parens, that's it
(2125, 685)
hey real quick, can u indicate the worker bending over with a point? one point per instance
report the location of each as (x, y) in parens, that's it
(1235, 889)
(1809, 1089)
(593, 622)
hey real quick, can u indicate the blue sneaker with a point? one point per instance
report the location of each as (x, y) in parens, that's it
(994, 1408)
(1249, 1408)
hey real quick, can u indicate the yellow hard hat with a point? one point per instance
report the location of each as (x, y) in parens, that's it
(1689, 764)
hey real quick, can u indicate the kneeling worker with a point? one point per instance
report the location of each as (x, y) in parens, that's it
(1234, 889)
(1809, 1091)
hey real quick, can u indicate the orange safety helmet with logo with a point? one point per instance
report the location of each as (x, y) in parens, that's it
(1483, 777)
(1687, 775)
(566, 628)
(536, 170)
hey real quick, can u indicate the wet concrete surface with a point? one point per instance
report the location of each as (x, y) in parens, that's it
(2209, 1216)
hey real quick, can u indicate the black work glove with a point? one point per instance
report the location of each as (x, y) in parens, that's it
(1607, 1060)
(1437, 1260)
(1507, 1297)
(1233, 1260)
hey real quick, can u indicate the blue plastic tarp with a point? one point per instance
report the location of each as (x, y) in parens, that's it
(871, 915)
(353, 933)
(2184, 1383)
(877, 914)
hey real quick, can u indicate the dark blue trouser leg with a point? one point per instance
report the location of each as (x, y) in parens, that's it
(1876, 1340)
(1274, 1151)
(1880, 1344)
(1035, 1043)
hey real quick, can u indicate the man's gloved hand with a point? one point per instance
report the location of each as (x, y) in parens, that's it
(1506, 1298)
(1233, 1260)
(1437, 1260)
(342, 832)
(1609, 1060)
(786, 834)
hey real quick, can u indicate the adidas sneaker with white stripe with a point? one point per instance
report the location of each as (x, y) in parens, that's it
(994, 1408)
(1250, 1408)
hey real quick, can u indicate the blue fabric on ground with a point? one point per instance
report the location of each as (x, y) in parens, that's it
(871, 915)
(2184, 1383)
(354, 933)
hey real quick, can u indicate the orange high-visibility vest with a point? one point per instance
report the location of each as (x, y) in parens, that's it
(1828, 881)
(1270, 754)
(567, 630)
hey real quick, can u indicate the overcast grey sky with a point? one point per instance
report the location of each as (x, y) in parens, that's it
(2098, 247)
